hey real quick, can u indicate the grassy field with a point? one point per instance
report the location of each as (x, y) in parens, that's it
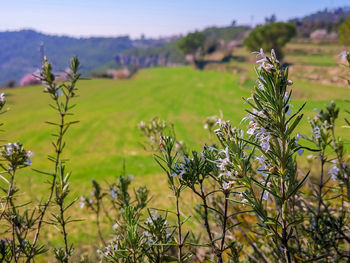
(109, 111)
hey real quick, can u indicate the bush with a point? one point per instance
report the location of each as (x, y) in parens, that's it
(253, 202)
(192, 43)
(344, 32)
(272, 36)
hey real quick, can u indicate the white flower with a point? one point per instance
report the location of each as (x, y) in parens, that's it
(2, 97)
(333, 172)
(343, 55)
(265, 142)
(225, 186)
(113, 193)
(59, 92)
(260, 85)
(142, 125)
(206, 126)
(262, 57)
(317, 132)
(265, 195)
(82, 202)
(226, 174)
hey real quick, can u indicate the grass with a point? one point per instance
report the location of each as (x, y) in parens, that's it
(109, 111)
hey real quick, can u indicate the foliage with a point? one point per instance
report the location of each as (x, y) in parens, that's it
(271, 36)
(23, 223)
(192, 43)
(253, 203)
(344, 32)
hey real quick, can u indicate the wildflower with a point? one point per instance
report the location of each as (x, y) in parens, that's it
(142, 125)
(82, 202)
(154, 216)
(149, 236)
(260, 85)
(226, 174)
(222, 163)
(264, 140)
(225, 186)
(300, 151)
(344, 55)
(16, 155)
(287, 109)
(114, 193)
(317, 132)
(334, 171)
(273, 55)
(265, 195)
(2, 99)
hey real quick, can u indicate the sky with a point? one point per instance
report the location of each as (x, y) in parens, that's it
(153, 18)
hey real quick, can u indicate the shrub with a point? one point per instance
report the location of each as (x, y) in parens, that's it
(253, 202)
(271, 36)
(344, 32)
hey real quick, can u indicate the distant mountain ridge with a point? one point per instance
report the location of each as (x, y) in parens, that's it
(19, 51)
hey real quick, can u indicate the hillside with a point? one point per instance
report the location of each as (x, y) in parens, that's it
(20, 51)
(329, 19)
(109, 111)
(169, 54)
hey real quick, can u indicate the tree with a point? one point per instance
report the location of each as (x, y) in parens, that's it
(344, 32)
(270, 20)
(192, 43)
(272, 36)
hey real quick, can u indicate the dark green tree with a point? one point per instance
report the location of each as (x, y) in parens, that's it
(344, 32)
(193, 44)
(272, 36)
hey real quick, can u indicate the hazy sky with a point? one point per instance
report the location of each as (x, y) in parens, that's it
(152, 17)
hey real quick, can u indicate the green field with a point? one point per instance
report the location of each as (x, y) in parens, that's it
(109, 111)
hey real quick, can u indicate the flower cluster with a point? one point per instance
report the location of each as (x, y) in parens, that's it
(2, 100)
(257, 131)
(265, 61)
(179, 169)
(16, 155)
(153, 130)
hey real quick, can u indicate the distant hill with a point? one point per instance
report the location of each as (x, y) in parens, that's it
(19, 51)
(169, 54)
(329, 19)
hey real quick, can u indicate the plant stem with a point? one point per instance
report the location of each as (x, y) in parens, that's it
(224, 224)
(177, 196)
(206, 219)
(53, 183)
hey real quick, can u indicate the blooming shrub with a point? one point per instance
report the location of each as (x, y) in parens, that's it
(253, 202)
